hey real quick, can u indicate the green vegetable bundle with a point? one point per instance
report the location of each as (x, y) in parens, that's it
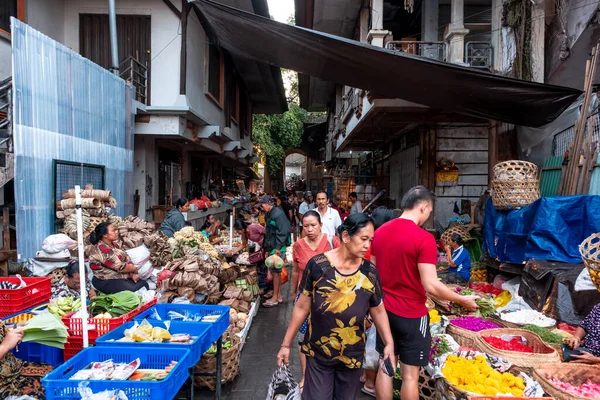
(544, 333)
(486, 305)
(115, 304)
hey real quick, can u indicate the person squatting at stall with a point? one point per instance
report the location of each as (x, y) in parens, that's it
(586, 339)
(247, 231)
(406, 255)
(113, 270)
(459, 261)
(175, 220)
(338, 289)
(68, 285)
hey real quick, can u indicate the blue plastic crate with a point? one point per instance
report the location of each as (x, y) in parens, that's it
(58, 385)
(160, 313)
(197, 347)
(35, 352)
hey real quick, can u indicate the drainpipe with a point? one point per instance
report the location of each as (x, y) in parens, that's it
(114, 48)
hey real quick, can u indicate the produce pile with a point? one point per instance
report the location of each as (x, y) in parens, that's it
(486, 305)
(546, 335)
(474, 324)
(475, 375)
(63, 305)
(146, 333)
(588, 389)
(109, 370)
(116, 304)
(514, 344)
(525, 317)
(132, 231)
(95, 205)
(485, 288)
(439, 346)
(204, 203)
(194, 274)
(160, 250)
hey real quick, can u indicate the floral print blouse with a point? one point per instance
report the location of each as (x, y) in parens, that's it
(340, 304)
(108, 262)
(591, 325)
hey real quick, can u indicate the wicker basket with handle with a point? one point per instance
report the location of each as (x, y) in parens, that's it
(573, 373)
(590, 253)
(542, 352)
(515, 184)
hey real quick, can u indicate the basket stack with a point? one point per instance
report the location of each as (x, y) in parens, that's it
(515, 184)
(542, 352)
(590, 253)
(574, 373)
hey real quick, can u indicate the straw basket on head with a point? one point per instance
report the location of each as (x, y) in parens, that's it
(576, 374)
(230, 365)
(542, 352)
(515, 184)
(462, 230)
(590, 253)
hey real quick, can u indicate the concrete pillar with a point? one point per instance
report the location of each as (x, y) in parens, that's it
(430, 20)
(456, 33)
(377, 34)
(364, 24)
(538, 13)
(497, 34)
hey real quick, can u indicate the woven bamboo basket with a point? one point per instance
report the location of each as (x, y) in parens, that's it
(515, 170)
(590, 253)
(465, 337)
(462, 230)
(230, 365)
(510, 195)
(542, 352)
(427, 388)
(573, 373)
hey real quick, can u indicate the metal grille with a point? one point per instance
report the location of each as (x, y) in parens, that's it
(67, 175)
(563, 140)
(479, 54)
(433, 50)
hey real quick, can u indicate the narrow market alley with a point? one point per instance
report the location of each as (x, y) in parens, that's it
(259, 355)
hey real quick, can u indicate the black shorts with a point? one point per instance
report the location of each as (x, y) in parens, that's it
(412, 339)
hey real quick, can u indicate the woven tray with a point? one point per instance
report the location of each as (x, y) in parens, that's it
(465, 337)
(510, 195)
(543, 354)
(590, 253)
(573, 373)
(230, 365)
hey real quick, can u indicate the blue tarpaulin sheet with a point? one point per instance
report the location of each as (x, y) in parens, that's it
(551, 228)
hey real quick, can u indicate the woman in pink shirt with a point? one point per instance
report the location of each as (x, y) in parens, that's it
(312, 243)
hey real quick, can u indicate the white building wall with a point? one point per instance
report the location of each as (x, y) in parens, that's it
(165, 39)
(145, 174)
(468, 148)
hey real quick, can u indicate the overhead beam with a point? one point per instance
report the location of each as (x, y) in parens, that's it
(231, 146)
(173, 8)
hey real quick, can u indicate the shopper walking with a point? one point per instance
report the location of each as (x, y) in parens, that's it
(313, 243)
(356, 203)
(277, 237)
(406, 255)
(338, 289)
(307, 204)
(329, 217)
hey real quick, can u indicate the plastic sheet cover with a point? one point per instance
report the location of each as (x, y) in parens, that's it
(551, 228)
(439, 85)
(69, 109)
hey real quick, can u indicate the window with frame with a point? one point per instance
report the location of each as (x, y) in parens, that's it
(10, 8)
(215, 74)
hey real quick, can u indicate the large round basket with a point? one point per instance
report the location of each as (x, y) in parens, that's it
(465, 337)
(230, 365)
(574, 373)
(590, 253)
(515, 170)
(542, 352)
(462, 230)
(511, 195)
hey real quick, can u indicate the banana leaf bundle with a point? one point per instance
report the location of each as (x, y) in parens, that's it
(115, 304)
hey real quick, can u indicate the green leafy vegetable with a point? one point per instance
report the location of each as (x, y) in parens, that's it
(544, 333)
(115, 304)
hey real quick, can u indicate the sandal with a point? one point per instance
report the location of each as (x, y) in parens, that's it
(269, 304)
(366, 390)
(268, 295)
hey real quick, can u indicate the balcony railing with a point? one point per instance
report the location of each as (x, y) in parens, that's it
(433, 50)
(136, 74)
(479, 54)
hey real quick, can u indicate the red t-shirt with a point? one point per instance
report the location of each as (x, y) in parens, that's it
(398, 247)
(302, 253)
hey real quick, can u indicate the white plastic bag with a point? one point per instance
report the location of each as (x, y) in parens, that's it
(57, 243)
(371, 354)
(283, 386)
(584, 281)
(140, 257)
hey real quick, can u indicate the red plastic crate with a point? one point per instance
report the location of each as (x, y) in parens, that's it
(35, 293)
(74, 345)
(99, 327)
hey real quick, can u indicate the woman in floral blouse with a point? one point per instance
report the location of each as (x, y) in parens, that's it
(15, 373)
(112, 267)
(339, 288)
(586, 339)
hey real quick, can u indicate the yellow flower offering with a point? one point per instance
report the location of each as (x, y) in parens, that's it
(477, 376)
(434, 317)
(502, 299)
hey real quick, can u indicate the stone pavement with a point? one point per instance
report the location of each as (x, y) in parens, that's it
(259, 355)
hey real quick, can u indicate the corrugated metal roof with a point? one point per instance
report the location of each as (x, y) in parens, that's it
(551, 173)
(595, 183)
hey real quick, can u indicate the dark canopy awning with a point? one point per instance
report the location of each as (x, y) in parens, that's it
(420, 80)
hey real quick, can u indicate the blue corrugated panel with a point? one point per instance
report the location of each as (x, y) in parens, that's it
(551, 173)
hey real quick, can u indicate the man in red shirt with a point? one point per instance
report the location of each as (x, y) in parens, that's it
(405, 256)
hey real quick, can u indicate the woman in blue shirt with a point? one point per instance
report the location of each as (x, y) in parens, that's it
(459, 261)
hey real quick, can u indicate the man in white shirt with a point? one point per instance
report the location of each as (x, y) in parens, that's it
(356, 204)
(330, 218)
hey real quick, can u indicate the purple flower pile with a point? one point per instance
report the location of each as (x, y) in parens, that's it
(474, 324)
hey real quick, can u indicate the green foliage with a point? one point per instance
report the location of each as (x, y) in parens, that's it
(274, 134)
